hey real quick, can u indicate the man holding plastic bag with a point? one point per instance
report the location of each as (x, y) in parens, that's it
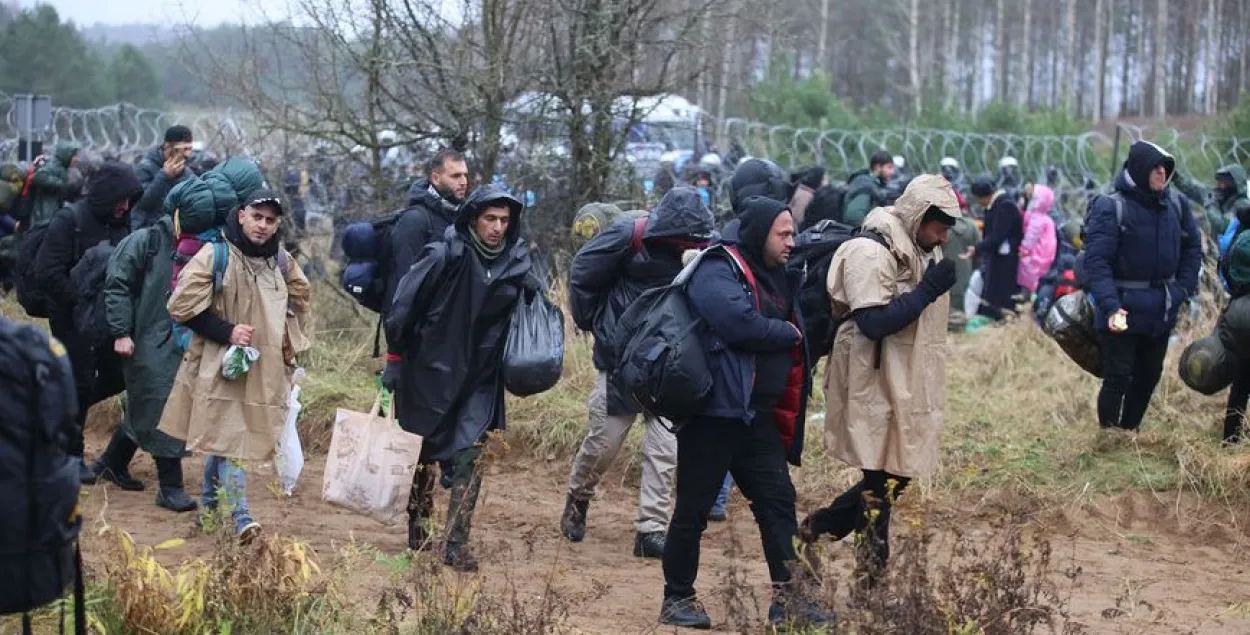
(230, 394)
(447, 331)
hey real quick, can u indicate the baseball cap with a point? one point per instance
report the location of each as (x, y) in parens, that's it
(265, 197)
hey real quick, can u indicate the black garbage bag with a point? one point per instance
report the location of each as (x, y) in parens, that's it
(1070, 322)
(1234, 327)
(1207, 366)
(534, 357)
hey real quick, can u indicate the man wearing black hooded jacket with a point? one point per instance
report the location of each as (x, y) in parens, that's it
(432, 205)
(103, 215)
(753, 423)
(607, 274)
(446, 332)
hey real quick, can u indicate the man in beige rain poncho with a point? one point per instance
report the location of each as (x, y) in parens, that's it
(885, 380)
(262, 302)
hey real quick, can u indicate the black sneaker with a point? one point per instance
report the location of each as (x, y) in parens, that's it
(121, 479)
(649, 545)
(459, 557)
(175, 499)
(685, 613)
(573, 522)
(798, 614)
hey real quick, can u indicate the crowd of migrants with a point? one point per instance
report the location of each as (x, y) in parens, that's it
(169, 280)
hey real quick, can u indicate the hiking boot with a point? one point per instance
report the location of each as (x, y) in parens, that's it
(249, 531)
(687, 613)
(798, 614)
(573, 522)
(650, 545)
(120, 478)
(175, 499)
(86, 473)
(459, 557)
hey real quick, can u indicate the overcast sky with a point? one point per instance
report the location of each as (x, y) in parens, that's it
(171, 12)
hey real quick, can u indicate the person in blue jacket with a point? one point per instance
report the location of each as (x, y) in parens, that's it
(1139, 270)
(753, 424)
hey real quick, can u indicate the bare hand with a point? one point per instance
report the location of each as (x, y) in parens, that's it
(968, 253)
(174, 166)
(242, 335)
(124, 346)
(1118, 322)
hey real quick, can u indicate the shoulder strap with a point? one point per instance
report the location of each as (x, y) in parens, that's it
(736, 257)
(284, 263)
(221, 258)
(635, 239)
(1118, 199)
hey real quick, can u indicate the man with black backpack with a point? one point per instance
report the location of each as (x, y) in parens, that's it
(432, 206)
(102, 216)
(1140, 265)
(752, 422)
(606, 276)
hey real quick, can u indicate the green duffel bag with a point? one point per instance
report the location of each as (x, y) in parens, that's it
(1207, 366)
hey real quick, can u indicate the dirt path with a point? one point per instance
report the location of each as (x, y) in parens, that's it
(1134, 579)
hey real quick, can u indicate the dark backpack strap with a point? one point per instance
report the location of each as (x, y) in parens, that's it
(747, 274)
(879, 238)
(221, 259)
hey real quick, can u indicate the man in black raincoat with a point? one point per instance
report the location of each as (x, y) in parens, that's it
(610, 272)
(446, 332)
(999, 249)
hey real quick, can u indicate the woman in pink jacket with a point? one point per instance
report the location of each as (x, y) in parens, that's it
(1037, 250)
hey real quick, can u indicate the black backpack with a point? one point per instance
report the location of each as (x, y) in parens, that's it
(39, 556)
(24, 203)
(29, 292)
(826, 205)
(88, 276)
(660, 358)
(812, 254)
(367, 248)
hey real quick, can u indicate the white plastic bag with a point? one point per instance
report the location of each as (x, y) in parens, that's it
(289, 461)
(972, 297)
(370, 465)
(237, 361)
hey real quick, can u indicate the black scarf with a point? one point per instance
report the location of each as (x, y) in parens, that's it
(234, 234)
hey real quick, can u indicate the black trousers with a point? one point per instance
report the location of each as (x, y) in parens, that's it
(1238, 396)
(1131, 368)
(98, 375)
(707, 448)
(865, 508)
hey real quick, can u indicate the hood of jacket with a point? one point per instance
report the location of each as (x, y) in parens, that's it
(757, 177)
(477, 202)
(1238, 175)
(113, 183)
(243, 175)
(65, 151)
(1134, 178)
(681, 214)
(750, 231)
(1043, 200)
(900, 222)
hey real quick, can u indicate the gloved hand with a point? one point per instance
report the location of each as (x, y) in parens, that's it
(939, 278)
(390, 376)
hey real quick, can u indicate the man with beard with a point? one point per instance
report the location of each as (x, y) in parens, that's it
(101, 216)
(159, 170)
(885, 381)
(446, 332)
(753, 422)
(606, 276)
(432, 205)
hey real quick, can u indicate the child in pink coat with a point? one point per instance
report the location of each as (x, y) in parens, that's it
(1037, 250)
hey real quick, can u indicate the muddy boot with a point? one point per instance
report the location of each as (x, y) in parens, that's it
(466, 483)
(420, 508)
(114, 465)
(459, 557)
(573, 522)
(172, 495)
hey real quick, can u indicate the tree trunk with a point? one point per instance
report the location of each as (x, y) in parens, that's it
(1100, 58)
(913, 55)
(1070, 70)
(726, 70)
(1000, 51)
(1140, 86)
(1161, 32)
(822, 43)
(1243, 48)
(1213, 66)
(952, 52)
(1026, 61)
(1124, 59)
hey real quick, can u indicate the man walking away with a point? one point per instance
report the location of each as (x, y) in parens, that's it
(101, 216)
(135, 293)
(261, 301)
(868, 189)
(159, 170)
(606, 276)
(999, 249)
(1142, 257)
(885, 383)
(753, 424)
(446, 333)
